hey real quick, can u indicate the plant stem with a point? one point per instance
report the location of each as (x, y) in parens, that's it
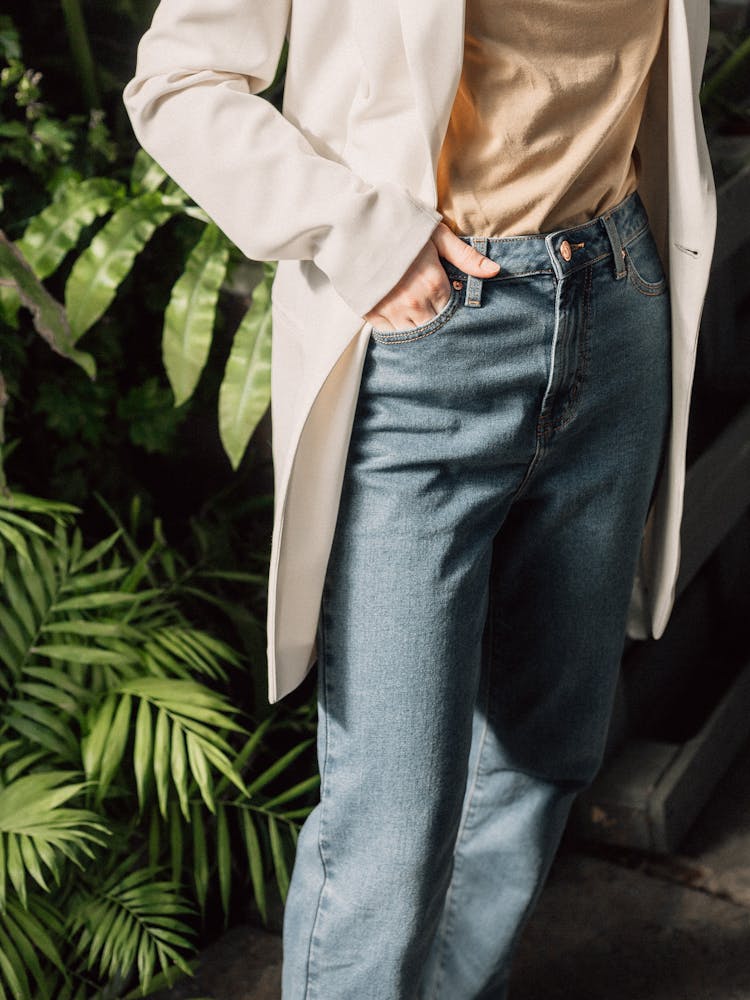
(80, 48)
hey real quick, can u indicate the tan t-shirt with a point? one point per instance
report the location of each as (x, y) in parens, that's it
(544, 121)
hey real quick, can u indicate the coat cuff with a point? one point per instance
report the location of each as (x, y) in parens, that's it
(383, 239)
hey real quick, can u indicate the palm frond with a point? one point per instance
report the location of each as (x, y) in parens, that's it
(36, 831)
(132, 922)
(29, 945)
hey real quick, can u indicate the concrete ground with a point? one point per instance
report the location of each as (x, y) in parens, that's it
(611, 924)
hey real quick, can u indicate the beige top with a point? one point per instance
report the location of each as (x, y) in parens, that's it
(544, 121)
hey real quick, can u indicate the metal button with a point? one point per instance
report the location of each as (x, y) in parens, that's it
(458, 285)
(565, 250)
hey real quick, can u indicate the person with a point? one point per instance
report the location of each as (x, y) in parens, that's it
(494, 224)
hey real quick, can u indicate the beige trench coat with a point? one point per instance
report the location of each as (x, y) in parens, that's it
(340, 189)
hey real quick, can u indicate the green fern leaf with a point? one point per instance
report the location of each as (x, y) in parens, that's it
(146, 174)
(101, 268)
(246, 387)
(190, 316)
(50, 235)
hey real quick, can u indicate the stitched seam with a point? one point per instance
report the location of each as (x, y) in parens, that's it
(584, 354)
(645, 287)
(635, 236)
(407, 337)
(447, 922)
(314, 940)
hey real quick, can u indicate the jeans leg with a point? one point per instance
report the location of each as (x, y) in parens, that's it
(402, 621)
(564, 564)
(445, 785)
(396, 690)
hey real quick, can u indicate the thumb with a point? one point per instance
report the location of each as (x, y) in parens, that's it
(464, 256)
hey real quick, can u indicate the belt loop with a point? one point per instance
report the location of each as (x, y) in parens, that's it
(617, 250)
(474, 285)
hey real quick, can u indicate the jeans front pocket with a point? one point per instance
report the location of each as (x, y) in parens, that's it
(643, 264)
(412, 333)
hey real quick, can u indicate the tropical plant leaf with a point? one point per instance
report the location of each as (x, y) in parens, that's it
(146, 174)
(50, 235)
(185, 739)
(245, 390)
(57, 510)
(191, 313)
(200, 769)
(301, 788)
(179, 769)
(42, 726)
(223, 858)
(32, 806)
(176, 844)
(200, 867)
(29, 943)
(106, 262)
(142, 750)
(87, 666)
(247, 751)
(280, 865)
(254, 860)
(278, 766)
(110, 924)
(15, 539)
(96, 552)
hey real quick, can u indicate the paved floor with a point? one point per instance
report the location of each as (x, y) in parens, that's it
(611, 925)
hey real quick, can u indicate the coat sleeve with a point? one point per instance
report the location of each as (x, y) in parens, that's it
(194, 106)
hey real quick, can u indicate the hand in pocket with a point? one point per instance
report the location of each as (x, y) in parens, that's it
(424, 290)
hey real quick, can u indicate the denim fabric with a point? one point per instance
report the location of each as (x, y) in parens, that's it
(464, 696)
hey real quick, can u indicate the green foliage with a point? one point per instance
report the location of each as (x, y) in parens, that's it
(134, 803)
(49, 317)
(82, 247)
(50, 235)
(101, 268)
(246, 390)
(34, 139)
(189, 319)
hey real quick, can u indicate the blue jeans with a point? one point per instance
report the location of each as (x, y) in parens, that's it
(501, 465)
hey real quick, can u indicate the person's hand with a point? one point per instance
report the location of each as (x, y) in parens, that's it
(425, 289)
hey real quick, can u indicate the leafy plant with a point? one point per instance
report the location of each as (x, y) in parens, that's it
(133, 803)
(118, 220)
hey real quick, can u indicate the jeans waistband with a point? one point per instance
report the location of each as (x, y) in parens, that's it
(559, 252)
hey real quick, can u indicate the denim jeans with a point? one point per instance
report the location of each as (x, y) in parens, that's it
(501, 464)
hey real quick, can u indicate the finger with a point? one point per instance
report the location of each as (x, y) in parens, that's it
(464, 256)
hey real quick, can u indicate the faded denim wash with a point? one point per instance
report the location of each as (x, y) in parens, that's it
(457, 720)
